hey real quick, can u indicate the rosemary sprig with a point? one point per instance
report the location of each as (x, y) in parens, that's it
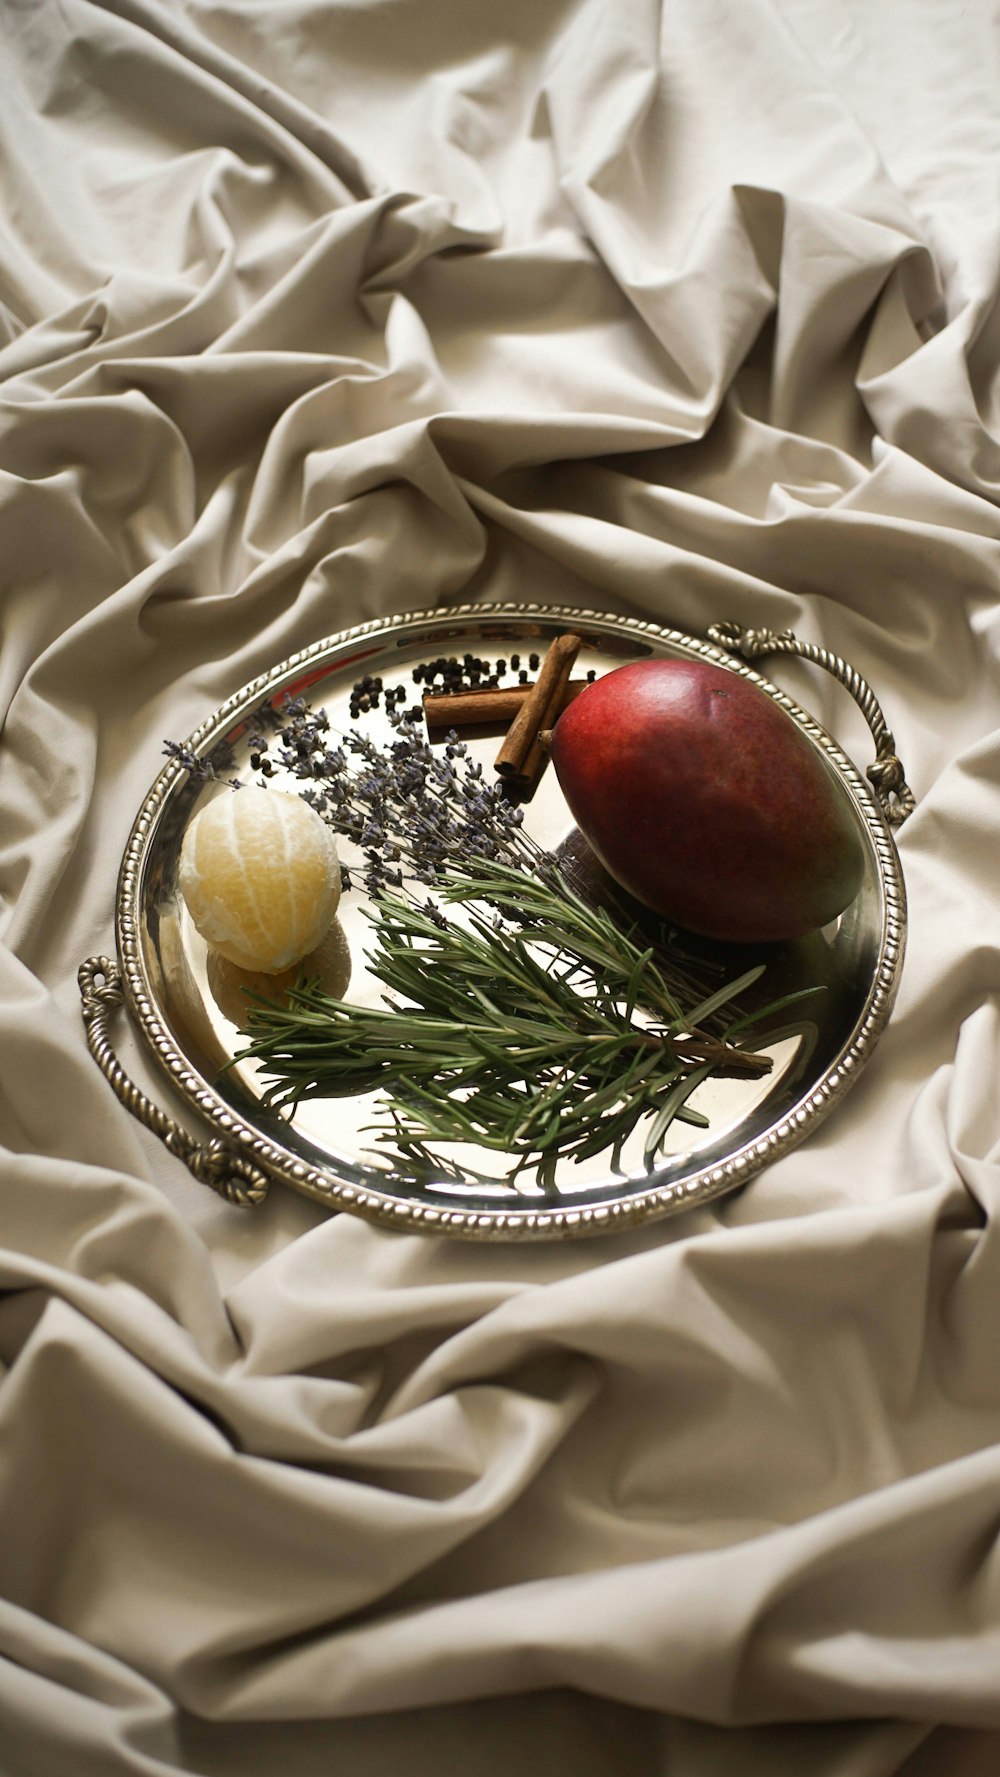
(534, 1026)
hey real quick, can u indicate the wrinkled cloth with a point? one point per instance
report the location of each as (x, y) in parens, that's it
(313, 312)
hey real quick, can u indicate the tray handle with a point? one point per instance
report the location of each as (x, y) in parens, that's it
(885, 773)
(212, 1163)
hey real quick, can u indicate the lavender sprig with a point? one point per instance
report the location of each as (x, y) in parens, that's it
(409, 808)
(202, 766)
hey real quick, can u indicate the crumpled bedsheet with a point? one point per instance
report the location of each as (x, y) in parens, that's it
(316, 311)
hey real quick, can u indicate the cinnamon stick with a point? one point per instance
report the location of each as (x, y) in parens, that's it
(521, 760)
(490, 707)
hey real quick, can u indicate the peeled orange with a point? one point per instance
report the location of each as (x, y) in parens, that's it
(260, 876)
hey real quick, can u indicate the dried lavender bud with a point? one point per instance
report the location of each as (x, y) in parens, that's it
(187, 759)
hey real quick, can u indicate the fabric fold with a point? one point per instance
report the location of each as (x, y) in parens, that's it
(311, 315)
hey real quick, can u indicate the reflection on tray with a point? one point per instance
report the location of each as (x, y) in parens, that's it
(234, 989)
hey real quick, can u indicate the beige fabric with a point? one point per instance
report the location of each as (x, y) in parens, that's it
(317, 311)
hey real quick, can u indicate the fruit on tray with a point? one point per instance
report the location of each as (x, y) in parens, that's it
(261, 878)
(705, 800)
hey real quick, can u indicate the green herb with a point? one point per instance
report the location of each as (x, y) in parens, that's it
(535, 1026)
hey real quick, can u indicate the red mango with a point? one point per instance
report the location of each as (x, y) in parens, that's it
(705, 800)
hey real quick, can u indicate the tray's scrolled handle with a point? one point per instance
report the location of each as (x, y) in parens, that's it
(212, 1163)
(885, 773)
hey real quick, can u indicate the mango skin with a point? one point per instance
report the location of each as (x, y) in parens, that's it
(704, 799)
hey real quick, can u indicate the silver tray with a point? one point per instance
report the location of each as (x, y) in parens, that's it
(186, 1013)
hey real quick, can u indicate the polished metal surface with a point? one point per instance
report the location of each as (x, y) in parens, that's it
(185, 1008)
